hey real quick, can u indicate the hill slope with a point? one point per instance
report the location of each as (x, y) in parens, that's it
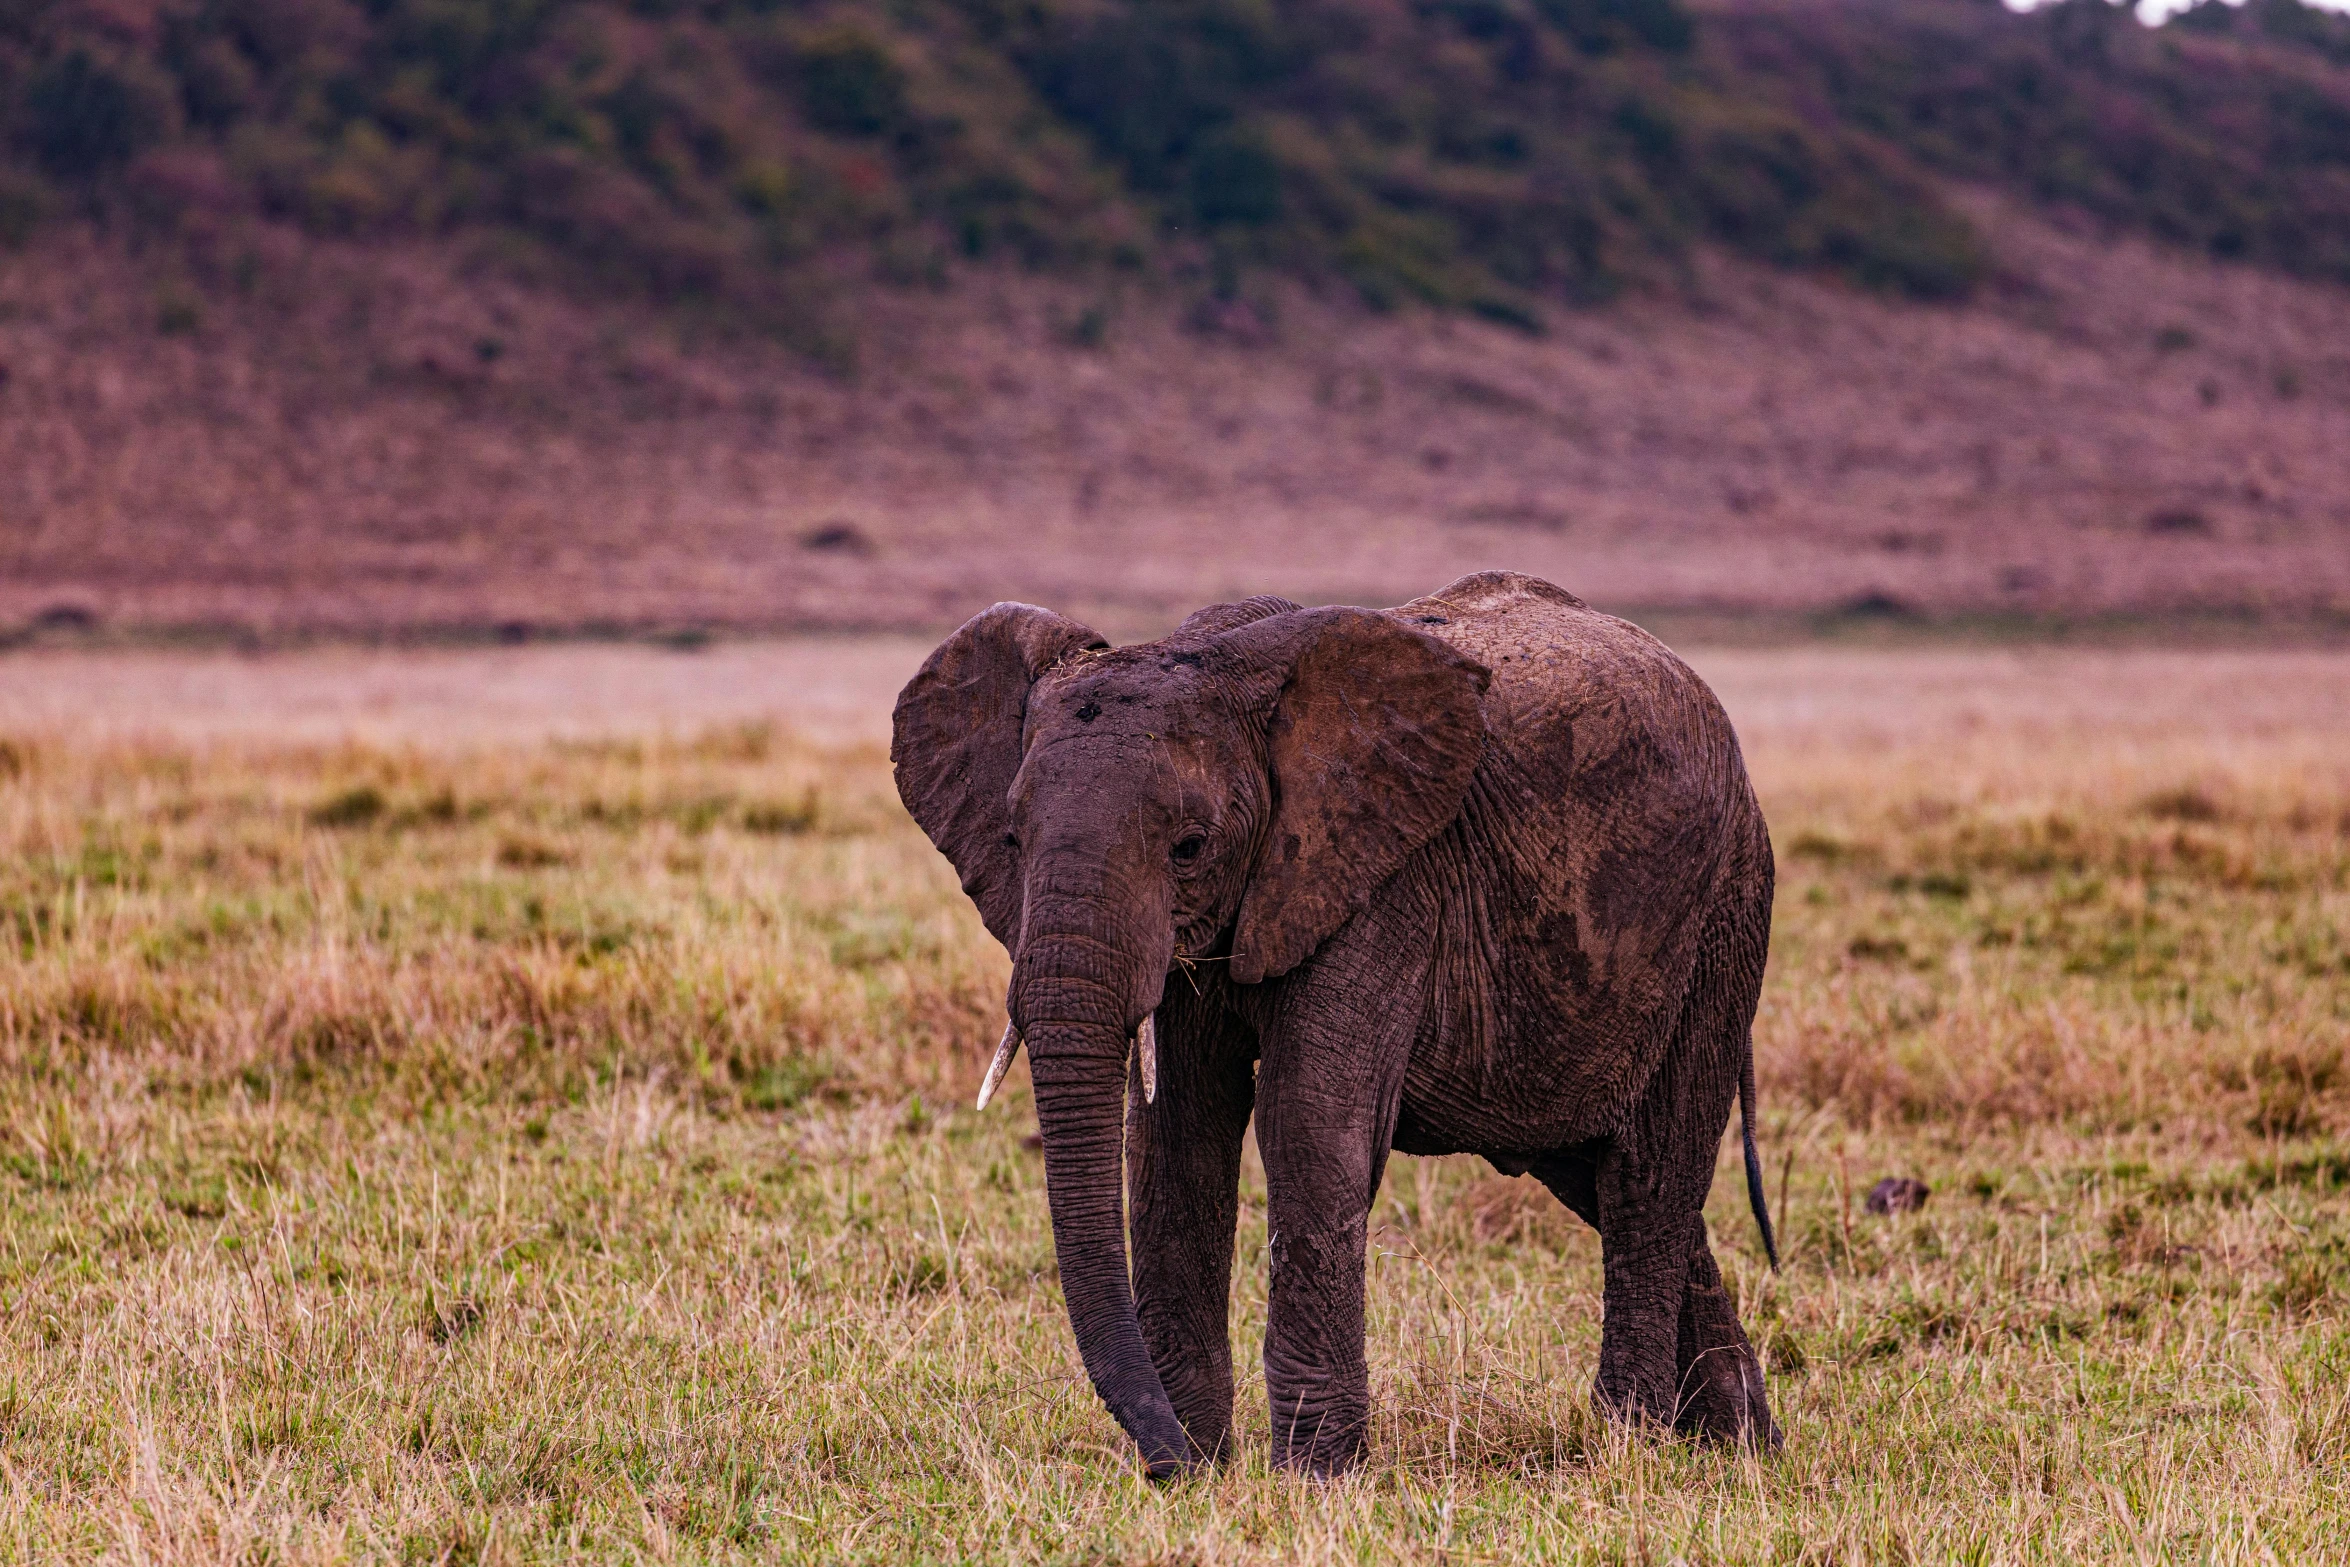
(1501, 154)
(2112, 429)
(869, 316)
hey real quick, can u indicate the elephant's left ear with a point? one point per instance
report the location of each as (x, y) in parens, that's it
(1375, 731)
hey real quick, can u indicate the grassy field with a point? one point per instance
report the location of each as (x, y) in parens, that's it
(524, 1147)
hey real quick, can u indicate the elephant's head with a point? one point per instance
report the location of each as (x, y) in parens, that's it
(1236, 791)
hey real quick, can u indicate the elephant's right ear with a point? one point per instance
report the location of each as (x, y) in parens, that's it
(1373, 731)
(956, 744)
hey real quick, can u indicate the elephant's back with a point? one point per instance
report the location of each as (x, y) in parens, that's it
(1581, 702)
(1610, 815)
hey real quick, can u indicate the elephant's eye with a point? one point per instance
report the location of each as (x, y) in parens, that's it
(1189, 849)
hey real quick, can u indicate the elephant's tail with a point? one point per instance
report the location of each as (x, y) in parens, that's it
(1754, 1169)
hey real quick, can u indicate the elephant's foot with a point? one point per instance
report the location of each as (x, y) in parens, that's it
(1719, 1378)
(1212, 1444)
(1201, 1392)
(1719, 1398)
(1320, 1460)
(1324, 1444)
(1644, 1405)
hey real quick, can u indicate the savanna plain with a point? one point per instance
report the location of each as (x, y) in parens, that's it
(426, 1139)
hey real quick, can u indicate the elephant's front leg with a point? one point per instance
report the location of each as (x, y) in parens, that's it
(1183, 1179)
(1327, 1095)
(1316, 1380)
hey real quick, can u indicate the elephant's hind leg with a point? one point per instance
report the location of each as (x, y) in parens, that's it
(1644, 1239)
(1720, 1393)
(1718, 1380)
(1671, 1350)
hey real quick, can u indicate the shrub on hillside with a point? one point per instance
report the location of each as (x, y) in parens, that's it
(82, 117)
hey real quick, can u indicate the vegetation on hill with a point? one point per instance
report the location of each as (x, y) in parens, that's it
(2227, 130)
(1486, 153)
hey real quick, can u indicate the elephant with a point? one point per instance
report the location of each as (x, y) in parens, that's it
(1482, 873)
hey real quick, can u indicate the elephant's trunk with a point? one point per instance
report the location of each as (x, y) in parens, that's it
(1077, 1021)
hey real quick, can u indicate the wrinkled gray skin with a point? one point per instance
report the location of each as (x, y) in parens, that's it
(1482, 873)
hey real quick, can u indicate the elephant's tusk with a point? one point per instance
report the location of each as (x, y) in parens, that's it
(1146, 1044)
(1000, 1065)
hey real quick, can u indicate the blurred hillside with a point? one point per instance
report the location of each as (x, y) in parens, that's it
(362, 314)
(1495, 153)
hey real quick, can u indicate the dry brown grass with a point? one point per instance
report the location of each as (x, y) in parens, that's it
(533, 1147)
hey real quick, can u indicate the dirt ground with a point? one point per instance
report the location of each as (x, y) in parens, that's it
(2043, 723)
(361, 442)
(832, 689)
